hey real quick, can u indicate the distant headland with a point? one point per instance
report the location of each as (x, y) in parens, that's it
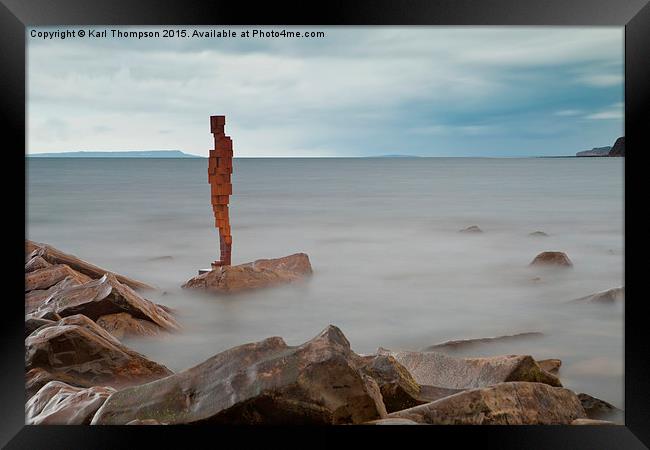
(121, 154)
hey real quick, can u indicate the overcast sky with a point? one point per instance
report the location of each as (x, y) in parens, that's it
(428, 91)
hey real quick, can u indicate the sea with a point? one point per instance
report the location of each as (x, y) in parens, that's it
(391, 268)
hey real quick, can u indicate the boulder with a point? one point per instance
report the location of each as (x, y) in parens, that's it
(438, 369)
(598, 409)
(513, 403)
(619, 147)
(430, 394)
(398, 388)
(33, 323)
(538, 234)
(49, 276)
(471, 229)
(55, 256)
(608, 296)
(145, 422)
(36, 263)
(258, 274)
(391, 421)
(452, 346)
(34, 299)
(550, 365)
(77, 349)
(107, 296)
(266, 382)
(592, 422)
(36, 378)
(558, 259)
(123, 325)
(58, 403)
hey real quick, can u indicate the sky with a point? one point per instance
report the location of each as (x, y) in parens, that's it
(358, 91)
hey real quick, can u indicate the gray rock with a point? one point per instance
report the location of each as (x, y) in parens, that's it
(514, 403)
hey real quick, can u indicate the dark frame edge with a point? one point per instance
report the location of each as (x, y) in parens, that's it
(637, 107)
(12, 74)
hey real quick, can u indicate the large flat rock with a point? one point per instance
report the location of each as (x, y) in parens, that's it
(265, 382)
(104, 297)
(261, 273)
(56, 257)
(513, 403)
(76, 349)
(445, 371)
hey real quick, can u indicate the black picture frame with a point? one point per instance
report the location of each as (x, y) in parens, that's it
(16, 15)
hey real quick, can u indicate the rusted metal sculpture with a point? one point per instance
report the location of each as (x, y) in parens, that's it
(219, 177)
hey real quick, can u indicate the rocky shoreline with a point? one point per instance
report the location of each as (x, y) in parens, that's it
(79, 372)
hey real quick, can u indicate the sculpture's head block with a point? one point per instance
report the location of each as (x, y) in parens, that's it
(217, 124)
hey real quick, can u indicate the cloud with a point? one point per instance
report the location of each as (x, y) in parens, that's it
(356, 91)
(614, 112)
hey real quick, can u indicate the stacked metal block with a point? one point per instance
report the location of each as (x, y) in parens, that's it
(219, 177)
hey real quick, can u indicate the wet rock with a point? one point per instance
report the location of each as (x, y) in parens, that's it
(513, 403)
(57, 257)
(258, 274)
(398, 388)
(35, 299)
(36, 263)
(592, 422)
(107, 296)
(598, 409)
(438, 369)
(430, 394)
(538, 234)
(392, 421)
(49, 276)
(471, 229)
(451, 346)
(77, 349)
(558, 259)
(266, 382)
(608, 296)
(58, 403)
(550, 365)
(123, 325)
(145, 422)
(36, 378)
(33, 323)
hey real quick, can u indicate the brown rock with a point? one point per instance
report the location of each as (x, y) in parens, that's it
(34, 323)
(598, 409)
(438, 369)
(49, 276)
(391, 421)
(36, 263)
(609, 296)
(145, 422)
(36, 378)
(430, 394)
(592, 422)
(451, 346)
(265, 382)
(77, 349)
(58, 403)
(107, 296)
(559, 259)
(398, 388)
(550, 365)
(123, 325)
(55, 256)
(513, 403)
(258, 274)
(35, 299)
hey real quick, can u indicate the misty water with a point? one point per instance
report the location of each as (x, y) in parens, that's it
(390, 267)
